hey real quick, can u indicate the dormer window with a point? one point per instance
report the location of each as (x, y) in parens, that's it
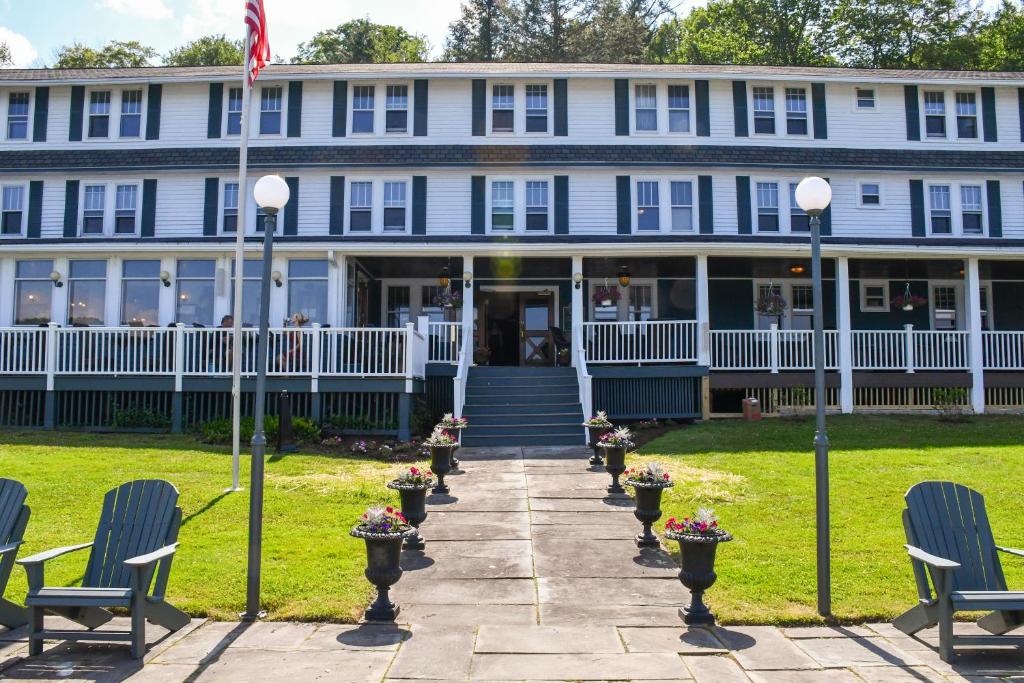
(503, 109)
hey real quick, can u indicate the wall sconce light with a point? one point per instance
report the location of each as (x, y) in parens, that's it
(445, 278)
(577, 280)
(277, 278)
(55, 279)
(467, 277)
(624, 276)
(797, 269)
(165, 278)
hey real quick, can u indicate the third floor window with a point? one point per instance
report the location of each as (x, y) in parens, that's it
(234, 125)
(764, 110)
(396, 117)
(271, 99)
(17, 115)
(362, 108)
(99, 114)
(536, 109)
(503, 104)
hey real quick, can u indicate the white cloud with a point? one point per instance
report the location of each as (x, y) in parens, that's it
(22, 51)
(145, 9)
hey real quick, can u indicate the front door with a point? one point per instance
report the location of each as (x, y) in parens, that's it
(536, 316)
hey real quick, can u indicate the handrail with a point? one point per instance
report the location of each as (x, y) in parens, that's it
(445, 342)
(583, 377)
(462, 373)
(1003, 350)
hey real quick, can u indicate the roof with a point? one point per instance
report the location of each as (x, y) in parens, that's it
(506, 70)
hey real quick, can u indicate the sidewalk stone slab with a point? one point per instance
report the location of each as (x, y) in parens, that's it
(442, 652)
(803, 676)
(446, 531)
(847, 652)
(892, 674)
(611, 593)
(574, 557)
(619, 505)
(592, 532)
(274, 635)
(384, 637)
(442, 518)
(164, 673)
(464, 591)
(549, 640)
(297, 666)
(203, 644)
(573, 614)
(557, 667)
(763, 647)
(715, 669)
(689, 641)
(472, 560)
(600, 518)
(463, 502)
(460, 615)
(828, 632)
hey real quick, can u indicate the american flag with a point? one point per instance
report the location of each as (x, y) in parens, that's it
(259, 43)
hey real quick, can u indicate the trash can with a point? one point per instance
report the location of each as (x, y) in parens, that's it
(751, 409)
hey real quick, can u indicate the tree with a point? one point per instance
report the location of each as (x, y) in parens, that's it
(5, 55)
(212, 50)
(361, 41)
(483, 32)
(115, 54)
(547, 30)
(1001, 41)
(619, 31)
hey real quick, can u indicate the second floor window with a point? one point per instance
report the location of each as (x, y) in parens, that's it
(361, 207)
(230, 223)
(870, 194)
(679, 109)
(93, 209)
(682, 205)
(17, 116)
(13, 210)
(935, 114)
(768, 207)
(648, 207)
(99, 114)
(646, 108)
(941, 210)
(865, 99)
(503, 109)
(796, 111)
(970, 209)
(125, 205)
(799, 221)
(537, 205)
(131, 114)
(396, 115)
(502, 205)
(270, 110)
(362, 109)
(966, 115)
(764, 110)
(536, 109)
(394, 205)
(234, 124)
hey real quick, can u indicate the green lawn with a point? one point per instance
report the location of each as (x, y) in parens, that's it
(312, 569)
(759, 478)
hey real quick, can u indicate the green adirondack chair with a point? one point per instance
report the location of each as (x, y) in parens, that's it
(13, 520)
(950, 542)
(129, 564)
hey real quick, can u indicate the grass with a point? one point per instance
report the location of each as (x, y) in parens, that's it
(312, 569)
(759, 478)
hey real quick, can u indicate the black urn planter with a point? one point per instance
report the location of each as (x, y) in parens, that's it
(648, 509)
(615, 465)
(697, 553)
(383, 570)
(414, 509)
(441, 464)
(594, 435)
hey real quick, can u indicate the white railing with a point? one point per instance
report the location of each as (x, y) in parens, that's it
(362, 352)
(1002, 350)
(115, 351)
(445, 342)
(879, 349)
(941, 350)
(23, 350)
(583, 378)
(662, 341)
(772, 349)
(415, 353)
(465, 358)
(909, 349)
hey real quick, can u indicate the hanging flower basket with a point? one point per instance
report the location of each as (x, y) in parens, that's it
(448, 299)
(606, 296)
(908, 303)
(771, 305)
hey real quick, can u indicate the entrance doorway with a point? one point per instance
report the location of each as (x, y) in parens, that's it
(517, 327)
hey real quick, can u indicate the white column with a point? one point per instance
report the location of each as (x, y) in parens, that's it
(845, 340)
(7, 292)
(576, 324)
(279, 295)
(468, 307)
(112, 303)
(168, 295)
(703, 313)
(342, 275)
(59, 300)
(976, 351)
(222, 288)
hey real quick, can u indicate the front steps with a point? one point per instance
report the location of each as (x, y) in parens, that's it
(510, 406)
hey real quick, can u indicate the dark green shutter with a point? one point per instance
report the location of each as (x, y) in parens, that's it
(561, 107)
(419, 205)
(820, 112)
(561, 205)
(917, 224)
(35, 208)
(153, 102)
(913, 112)
(1020, 111)
(623, 205)
(337, 215)
(995, 208)
(41, 115)
(743, 207)
(339, 115)
(739, 109)
(706, 205)
(988, 114)
(420, 100)
(294, 109)
(77, 113)
(477, 202)
(216, 110)
(210, 202)
(621, 106)
(71, 208)
(291, 209)
(148, 208)
(703, 102)
(479, 107)
(826, 218)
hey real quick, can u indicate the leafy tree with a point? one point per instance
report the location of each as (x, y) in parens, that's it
(5, 55)
(547, 30)
(212, 50)
(619, 31)
(115, 54)
(361, 41)
(1001, 41)
(483, 32)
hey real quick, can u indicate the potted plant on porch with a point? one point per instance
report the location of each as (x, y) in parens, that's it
(441, 445)
(412, 488)
(451, 423)
(698, 538)
(615, 445)
(649, 482)
(597, 426)
(383, 529)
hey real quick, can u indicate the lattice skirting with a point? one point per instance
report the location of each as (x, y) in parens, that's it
(636, 398)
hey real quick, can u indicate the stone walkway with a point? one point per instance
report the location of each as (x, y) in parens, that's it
(530, 573)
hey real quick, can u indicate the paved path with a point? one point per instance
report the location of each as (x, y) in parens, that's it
(530, 573)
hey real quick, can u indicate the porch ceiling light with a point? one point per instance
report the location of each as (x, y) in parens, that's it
(797, 269)
(813, 194)
(445, 278)
(467, 277)
(624, 276)
(277, 278)
(577, 280)
(55, 279)
(271, 193)
(165, 278)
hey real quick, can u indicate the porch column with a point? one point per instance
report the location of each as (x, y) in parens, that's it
(976, 356)
(467, 306)
(845, 340)
(576, 325)
(703, 312)
(342, 275)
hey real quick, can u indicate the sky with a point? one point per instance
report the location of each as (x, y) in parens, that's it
(34, 29)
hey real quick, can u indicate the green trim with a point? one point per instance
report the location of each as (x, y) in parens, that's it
(71, 208)
(623, 202)
(420, 100)
(995, 208)
(820, 111)
(35, 209)
(989, 126)
(210, 202)
(215, 111)
(561, 107)
(706, 204)
(41, 115)
(478, 204)
(913, 112)
(621, 106)
(294, 109)
(291, 209)
(917, 219)
(148, 222)
(624, 371)
(703, 106)
(744, 210)
(739, 109)
(336, 217)
(419, 205)
(339, 112)
(77, 115)
(561, 205)
(153, 101)
(479, 110)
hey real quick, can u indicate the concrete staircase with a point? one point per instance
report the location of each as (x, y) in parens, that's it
(511, 406)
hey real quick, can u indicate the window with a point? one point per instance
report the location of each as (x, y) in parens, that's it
(261, 219)
(99, 114)
(679, 109)
(646, 107)
(984, 308)
(682, 205)
(307, 289)
(944, 298)
(874, 297)
(536, 109)
(230, 220)
(537, 205)
(798, 220)
(87, 293)
(647, 206)
(768, 207)
(194, 300)
(641, 302)
(140, 293)
(126, 203)
(32, 292)
(399, 311)
(270, 110)
(93, 209)
(796, 111)
(870, 194)
(394, 205)
(429, 302)
(396, 109)
(502, 108)
(13, 210)
(234, 126)
(764, 111)
(502, 205)
(361, 206)
(970, 209)
(362, 109)
(941, 213)
(252, 272)
(801, 313)
(935, 114)
(17, 116)
(865, 98)
(966, 115)
(131, 114)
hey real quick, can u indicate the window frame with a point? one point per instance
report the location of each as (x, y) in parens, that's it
(222, 207)
(518, 204)
(662, 109)
(780, 118)
(976, 115)
(407, 109)
(664, 204)
(860, 194)
(15, 289)
(110, 207)
(956, 208)
(951, 117)
(114, 115)
(491, 85)
(406, 206)
(781, 209)
(796, 115)
(6, 103)
(874, 108)
(547, 107)
(121, 114)
(516, 198)
(694, 227)
(754, 87)
(374, 126)
(180, 279)
(24, 186)
(123, 280)
(225, 124)
(656, 182)
(72, 279)
(884, 306)
(349, 205)
(549, 209)
(256, 122)
(635, 108)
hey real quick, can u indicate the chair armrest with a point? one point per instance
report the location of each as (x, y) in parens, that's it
(46, 555)
(931, 560)
(1010, 551)
(150, 558)
(10, 547)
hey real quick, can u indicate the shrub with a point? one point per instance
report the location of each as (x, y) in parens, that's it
(218, 431)
(305, 430)
(950, 402)
(140, 418)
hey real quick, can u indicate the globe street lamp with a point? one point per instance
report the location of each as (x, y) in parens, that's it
(813, 195)
(271, 194)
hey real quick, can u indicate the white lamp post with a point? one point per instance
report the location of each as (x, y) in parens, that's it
(271, 194)
(813, 194)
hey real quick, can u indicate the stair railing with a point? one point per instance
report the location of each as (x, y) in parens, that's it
(462, 373)
(583, 378)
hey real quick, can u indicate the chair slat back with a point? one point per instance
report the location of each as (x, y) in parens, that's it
(949, 520)
(137, 518)
(12, 500)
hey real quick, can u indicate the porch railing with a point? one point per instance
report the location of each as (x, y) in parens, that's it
(465, 357)
(23, 351)
(772, 349)
(661, 341)
(583, 377)
(909, 349)
(1003, 350)
(444, 342)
